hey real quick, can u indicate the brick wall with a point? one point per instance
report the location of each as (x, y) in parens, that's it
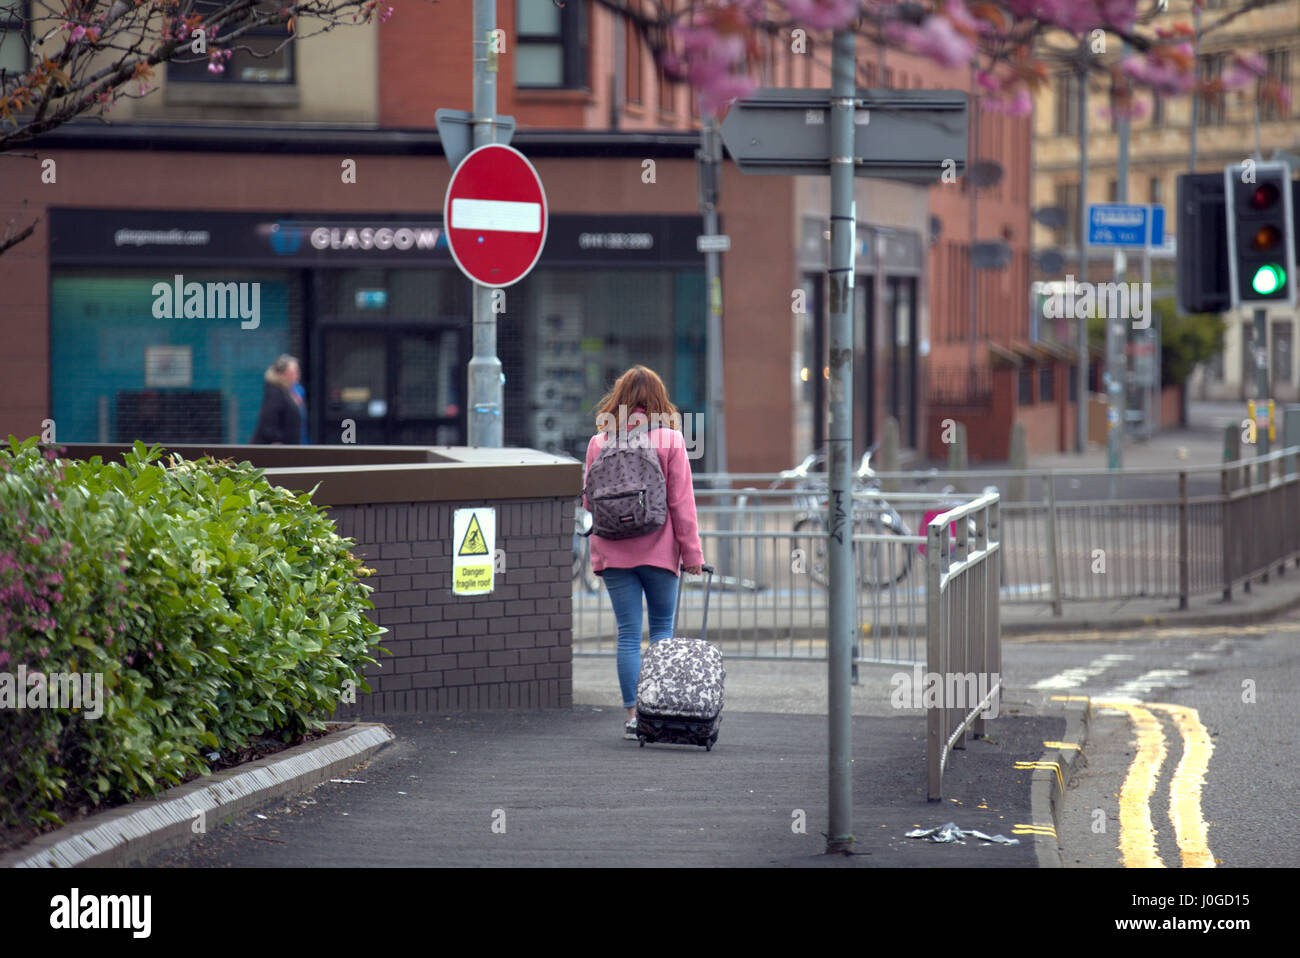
(511, 648)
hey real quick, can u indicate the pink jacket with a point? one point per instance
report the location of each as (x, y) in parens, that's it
(674, 544)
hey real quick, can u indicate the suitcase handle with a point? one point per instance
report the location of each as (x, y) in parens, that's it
(707, 570)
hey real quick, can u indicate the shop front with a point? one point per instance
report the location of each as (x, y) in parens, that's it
(163, 322)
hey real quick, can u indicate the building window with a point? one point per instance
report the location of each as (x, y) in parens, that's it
(1074, 384)
(1157, 110)
(13, 37)
(1211, 108)
(1279, 68)
(268, 59)
(667, 93)
(1153, 190)
(634, 51)
(1025, 385)
(1046, 382)
(550, 45)
(1067, 103)
(1067, 198)
(1112, 190)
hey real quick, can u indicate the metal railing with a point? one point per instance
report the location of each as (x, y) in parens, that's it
(963, 631)
(1189, 532)
(770, 596)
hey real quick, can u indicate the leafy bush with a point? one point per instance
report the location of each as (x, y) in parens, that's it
(218, 608)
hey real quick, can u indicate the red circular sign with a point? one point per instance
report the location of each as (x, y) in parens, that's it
(495, 215)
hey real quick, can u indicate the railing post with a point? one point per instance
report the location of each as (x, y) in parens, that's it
(934, 638)
(1225, 532)
(1053, 546)
(1184, 541)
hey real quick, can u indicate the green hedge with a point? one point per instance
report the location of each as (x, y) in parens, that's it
(217, 608)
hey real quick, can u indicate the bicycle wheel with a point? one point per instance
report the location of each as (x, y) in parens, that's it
(881, 563)
(813, 546)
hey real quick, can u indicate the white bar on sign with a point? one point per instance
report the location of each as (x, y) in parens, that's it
(505, 216)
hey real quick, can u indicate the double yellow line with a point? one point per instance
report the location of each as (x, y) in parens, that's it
(1137, 837)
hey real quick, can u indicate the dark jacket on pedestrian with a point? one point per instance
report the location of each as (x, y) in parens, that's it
(279, 421)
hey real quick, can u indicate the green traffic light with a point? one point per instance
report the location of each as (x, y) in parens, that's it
(1268, 279)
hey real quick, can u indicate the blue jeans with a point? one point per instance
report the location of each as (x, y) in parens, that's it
(625, 587)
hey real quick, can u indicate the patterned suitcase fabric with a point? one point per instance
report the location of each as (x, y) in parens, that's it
(681, 678)
(679, 694)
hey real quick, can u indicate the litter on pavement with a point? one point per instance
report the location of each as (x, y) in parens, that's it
(951, 833)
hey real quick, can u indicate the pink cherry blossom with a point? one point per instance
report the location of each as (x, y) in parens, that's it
(820, 14)
(1244, 70)
(935, 39)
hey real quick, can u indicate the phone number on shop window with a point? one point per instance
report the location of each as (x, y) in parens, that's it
(615, 240)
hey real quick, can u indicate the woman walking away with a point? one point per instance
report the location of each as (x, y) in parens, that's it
(637, 485)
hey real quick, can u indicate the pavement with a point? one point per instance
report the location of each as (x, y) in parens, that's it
(562, 788)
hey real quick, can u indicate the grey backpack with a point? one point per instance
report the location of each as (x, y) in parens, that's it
(626, 488)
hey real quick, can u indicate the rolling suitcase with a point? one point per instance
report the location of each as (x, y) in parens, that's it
(679, 691)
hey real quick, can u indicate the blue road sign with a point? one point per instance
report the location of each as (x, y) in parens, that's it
(1125, 224)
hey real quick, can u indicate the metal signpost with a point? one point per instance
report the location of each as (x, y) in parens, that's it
(913, 135)
(486, 381)
(1120, 226)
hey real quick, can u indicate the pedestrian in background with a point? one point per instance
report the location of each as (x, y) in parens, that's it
(645, 565)
(279, 422)
(300, 398)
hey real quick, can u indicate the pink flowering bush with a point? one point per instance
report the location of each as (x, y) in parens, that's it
(215, 607)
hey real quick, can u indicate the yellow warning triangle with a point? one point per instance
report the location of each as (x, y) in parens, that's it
(473, 544)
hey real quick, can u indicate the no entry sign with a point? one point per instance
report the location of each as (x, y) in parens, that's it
(495, 215)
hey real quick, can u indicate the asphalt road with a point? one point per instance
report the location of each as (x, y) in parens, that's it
(1239, 681)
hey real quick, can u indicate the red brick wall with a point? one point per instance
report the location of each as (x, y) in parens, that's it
(988, 426)
(1171, 398)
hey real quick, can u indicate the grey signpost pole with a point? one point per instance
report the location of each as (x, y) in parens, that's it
(839, 836)
(915, 135)
(714, 431)
(1081, 406)
(1261, 355)
(485, 405)
(1117, 335)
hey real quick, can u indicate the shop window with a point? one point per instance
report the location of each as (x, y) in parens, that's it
(1046, 382)
(1074, 384)
(264, 56)
(1025, 385)
(550, 45)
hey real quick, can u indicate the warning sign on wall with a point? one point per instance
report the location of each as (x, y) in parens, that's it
(473, 543)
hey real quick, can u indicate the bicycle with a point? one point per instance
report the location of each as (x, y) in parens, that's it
(582, 571)
(881, 564)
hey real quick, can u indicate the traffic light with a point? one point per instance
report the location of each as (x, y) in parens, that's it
(1261, 234)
